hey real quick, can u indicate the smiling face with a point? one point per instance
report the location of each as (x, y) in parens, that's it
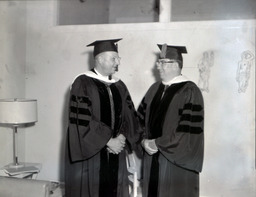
(168, 69)
(107, 62)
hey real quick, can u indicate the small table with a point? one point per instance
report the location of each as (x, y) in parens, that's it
(28, 170)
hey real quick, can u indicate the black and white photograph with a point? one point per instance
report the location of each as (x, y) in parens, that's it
(127, 98)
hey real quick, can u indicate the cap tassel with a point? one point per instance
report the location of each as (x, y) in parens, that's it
(163, 51)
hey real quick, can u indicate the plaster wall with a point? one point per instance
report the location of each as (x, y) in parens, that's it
(55, 55)
(12, 67)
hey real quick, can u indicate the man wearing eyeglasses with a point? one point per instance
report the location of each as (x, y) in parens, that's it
(103, 128)
(172, 116)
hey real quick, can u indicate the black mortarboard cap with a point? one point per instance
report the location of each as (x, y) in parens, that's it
(104, 45)
(171, 52)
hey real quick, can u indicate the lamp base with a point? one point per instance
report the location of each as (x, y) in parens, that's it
(21, 171)
(15, 165)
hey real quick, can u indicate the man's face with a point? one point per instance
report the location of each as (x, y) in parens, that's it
(165, 68)
(109, 62)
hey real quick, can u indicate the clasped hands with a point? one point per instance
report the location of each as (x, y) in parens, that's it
(149, 146)
(116, 145)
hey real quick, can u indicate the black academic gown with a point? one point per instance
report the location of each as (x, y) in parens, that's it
(176, 122)
(89, 130)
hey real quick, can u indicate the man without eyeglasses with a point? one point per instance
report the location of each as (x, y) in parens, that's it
(103, 128)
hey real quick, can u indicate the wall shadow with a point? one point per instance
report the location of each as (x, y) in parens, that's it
(154, 69)
(65, 111)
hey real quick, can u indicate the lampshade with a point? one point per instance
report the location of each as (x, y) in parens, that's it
(18, 111)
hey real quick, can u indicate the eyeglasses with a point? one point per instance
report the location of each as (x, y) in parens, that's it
(161, 62)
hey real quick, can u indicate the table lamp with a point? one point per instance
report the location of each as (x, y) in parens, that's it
(16, 113)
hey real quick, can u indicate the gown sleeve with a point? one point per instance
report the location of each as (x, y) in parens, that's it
(143, 109)
(130, 127)
(86, 134)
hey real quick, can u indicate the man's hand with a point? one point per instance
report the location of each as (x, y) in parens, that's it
(117, 144)
(149, 146)
(121, 138)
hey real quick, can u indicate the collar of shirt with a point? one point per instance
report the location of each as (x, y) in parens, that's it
(177, 79)
(101, 77)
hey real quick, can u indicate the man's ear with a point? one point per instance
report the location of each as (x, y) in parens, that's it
(100, 59)
(177, 66)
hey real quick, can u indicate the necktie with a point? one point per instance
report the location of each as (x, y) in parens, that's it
(165, 87)
(112, 107)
